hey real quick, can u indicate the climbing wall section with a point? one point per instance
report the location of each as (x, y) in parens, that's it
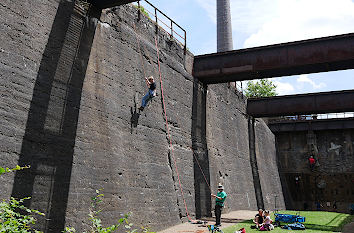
(72, 78)
(331, 181)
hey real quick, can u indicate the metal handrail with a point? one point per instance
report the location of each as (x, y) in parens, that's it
(172, 23)
(314, 117)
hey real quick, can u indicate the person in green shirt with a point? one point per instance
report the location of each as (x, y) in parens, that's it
(219, 203)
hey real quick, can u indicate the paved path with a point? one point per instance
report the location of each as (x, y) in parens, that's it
(227, 220)
(349, 228)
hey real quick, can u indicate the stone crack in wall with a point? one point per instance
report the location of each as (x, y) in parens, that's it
(87, 134)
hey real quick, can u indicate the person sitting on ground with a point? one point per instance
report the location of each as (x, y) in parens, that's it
(312, 162)
(219, 204)
(268, 226)
(151, 93)
(259, 218)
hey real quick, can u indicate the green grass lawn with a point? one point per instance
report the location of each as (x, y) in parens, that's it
(316, 221)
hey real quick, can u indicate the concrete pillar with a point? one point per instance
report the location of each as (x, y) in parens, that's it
(224, 27)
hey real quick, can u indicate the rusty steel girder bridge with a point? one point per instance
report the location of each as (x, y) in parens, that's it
(314, 103)
(300, 57)
(306, 125)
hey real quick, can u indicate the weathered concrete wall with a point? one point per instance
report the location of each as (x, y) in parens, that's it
(333, 176)
(46, 48)
(268, 167)
(128, 155)
(228, 145)
(24, 34)
(71, 79)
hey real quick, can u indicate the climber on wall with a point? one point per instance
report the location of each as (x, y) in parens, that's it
(151, 93)
(219, 204)
(312, 162)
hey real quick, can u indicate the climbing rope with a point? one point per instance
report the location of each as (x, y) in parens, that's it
(166, 121)
(196, 159)
(164, 106)
(168, 130)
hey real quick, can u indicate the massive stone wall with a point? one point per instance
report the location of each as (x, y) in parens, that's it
(71, 81)
(117, 149)
(228, 146)
(24, 34)
(333, 176)
(268, 167)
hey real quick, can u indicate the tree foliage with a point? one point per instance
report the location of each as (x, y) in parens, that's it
(13, 220)
(14, 216)
(8, 170)
(17, 218)
(260, 88)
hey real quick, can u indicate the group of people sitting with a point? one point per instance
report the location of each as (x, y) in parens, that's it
(263, 221)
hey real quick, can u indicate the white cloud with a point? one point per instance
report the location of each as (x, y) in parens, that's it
(305, 79)
(265, 22)
(247, 16)
(284, 88)
(303, 19)
(210, 7)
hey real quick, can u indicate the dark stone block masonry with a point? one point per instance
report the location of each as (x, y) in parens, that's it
(71, 80)
(330, 182)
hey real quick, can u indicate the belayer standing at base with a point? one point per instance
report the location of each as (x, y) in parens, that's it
(151, 93)
(219, 204)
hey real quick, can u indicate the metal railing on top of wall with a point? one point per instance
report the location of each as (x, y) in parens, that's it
(169, 27)
(238, 88)
(312, 117)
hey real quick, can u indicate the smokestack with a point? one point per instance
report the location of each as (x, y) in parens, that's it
(224, 27)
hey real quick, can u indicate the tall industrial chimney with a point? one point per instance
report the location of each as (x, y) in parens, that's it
(224, 27)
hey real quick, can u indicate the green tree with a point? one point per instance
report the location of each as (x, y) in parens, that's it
(260, 88)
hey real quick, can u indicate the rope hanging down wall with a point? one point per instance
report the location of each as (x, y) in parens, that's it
(166, 121)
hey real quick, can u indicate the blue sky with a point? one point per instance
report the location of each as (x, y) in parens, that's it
(264, 22)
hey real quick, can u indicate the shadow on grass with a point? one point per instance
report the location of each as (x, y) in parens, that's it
(336, 224)
(339, 216)
(327, 227)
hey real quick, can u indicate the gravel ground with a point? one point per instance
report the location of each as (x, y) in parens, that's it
(227, 220)
(349, 228)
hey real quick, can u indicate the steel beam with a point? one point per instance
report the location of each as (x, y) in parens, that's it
(300, 57)
(327, 124)
(315, 103)
(109, 3)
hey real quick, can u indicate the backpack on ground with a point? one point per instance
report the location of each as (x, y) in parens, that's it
(294, 226)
